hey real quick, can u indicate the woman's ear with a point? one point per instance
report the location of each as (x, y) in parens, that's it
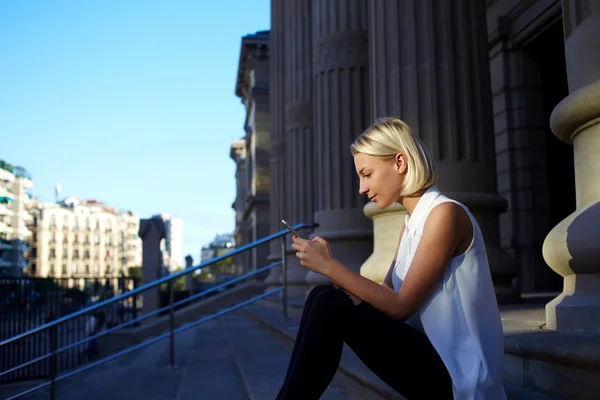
(400, 162)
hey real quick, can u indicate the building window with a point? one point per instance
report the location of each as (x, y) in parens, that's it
(52, 253)
(97, 239)
(64, 269)
(76, 239)
(87, 269)
(87, 223)
(76, 223)
(108, 270)
(75, 254)
(86, 254)
(65, 253)
(96, 269)
(33, 268)
(87, 240)
(53, 221)
(52, 237)
(52, 270)
(73, 269)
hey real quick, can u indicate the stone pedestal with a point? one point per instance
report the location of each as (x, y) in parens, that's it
(572, 248)
(387, 224)
(277, 128)
(152, 231)
(341, 107)
(430, 68)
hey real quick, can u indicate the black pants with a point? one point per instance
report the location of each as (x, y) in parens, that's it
(400, 355)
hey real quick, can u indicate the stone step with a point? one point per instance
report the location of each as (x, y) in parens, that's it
(262, 361)
(205, 368)
(268, 313)
(565, 365)
(352, 373)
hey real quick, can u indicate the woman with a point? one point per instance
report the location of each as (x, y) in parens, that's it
(432, 330)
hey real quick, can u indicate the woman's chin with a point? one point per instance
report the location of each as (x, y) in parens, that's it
(383, 205)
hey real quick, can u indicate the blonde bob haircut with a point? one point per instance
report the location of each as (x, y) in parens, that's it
(389, 136)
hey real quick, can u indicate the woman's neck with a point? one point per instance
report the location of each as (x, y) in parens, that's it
(410, 202)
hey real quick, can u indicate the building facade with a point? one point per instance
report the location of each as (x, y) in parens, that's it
(15, 196)
(504, 92)
(83, 239)
(251, 153)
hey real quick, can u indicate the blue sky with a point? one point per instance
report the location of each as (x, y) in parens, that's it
(130, 102)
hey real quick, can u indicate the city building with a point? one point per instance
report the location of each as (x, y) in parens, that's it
(172, 245)
(83, 239)
(251, 153)
(504, 93)
(15, 186)
(222, 244)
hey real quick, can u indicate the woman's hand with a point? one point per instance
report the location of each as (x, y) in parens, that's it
(314, 254)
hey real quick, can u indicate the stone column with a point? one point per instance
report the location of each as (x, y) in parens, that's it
(299, 191)
(152, 231)
(572, 248)
(341, 112)
(277, 127)
(429, 67)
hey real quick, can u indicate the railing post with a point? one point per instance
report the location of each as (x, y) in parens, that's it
(53, 360)
(171, 327)
(284, 277)
(135, 300)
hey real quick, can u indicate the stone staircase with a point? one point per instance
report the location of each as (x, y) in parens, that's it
(241, 355)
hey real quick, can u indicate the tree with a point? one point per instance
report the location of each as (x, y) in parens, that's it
(136, 273)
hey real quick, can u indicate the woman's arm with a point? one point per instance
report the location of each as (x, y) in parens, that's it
(387, 282)
(445, 229)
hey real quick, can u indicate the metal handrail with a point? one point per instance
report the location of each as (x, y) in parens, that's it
(147, 343)
(141, 318)
(155, 283)
(172, 331)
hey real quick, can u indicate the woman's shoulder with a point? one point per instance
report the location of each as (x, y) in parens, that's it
(449, 215)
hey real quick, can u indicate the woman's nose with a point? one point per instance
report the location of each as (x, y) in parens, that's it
(363, 189)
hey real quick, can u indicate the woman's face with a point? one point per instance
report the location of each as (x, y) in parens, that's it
(380, 179)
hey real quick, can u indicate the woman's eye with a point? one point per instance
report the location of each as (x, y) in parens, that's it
(367, 175)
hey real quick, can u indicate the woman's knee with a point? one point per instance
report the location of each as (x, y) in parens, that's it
(316, 291)
(332, 300)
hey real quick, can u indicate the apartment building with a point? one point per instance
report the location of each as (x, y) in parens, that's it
(15, 186)
(83, 239)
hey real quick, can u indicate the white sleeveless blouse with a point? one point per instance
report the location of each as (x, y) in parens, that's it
(461, 318)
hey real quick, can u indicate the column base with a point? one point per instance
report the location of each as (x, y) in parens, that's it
(272, 280)
(504, 272)
(387, 224)
(296, 274)
(577, 308)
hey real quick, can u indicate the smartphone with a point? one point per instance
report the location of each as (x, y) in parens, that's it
(289, 227)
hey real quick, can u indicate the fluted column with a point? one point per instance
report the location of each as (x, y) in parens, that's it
(277, 127)
(429, 67)
(341, 112)
(299, 152)
(572, 248)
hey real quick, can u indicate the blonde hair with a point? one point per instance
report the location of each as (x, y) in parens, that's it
(389, 136)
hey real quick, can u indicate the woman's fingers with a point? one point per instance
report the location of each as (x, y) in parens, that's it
(319, 239)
